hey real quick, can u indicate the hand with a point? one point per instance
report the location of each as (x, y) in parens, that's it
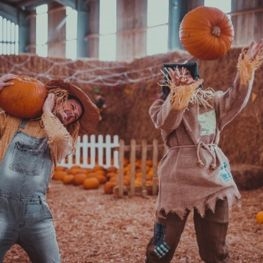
(5, 80)
(180, 77)
(180, 96)
(249, 60)
(254, 50)
(49, 103)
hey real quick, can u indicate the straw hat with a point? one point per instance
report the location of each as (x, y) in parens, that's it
(91, 116)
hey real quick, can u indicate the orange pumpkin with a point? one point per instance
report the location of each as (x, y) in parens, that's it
(91, 183)
(58, 175)
(68, 178)
(108, 187)
(259, 217)
(206, 33)
(79, 178)
(23, 99)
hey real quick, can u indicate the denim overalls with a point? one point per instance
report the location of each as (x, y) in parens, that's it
(25, 218)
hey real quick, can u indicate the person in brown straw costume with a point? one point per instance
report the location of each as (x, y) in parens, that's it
(29, 150)
(194, 174)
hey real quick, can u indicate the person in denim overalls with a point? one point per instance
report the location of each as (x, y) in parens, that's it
(29, 149)
(194, 174)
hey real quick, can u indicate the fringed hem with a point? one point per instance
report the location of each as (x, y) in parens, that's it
(201, 207)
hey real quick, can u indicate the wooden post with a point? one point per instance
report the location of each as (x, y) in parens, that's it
(121, 170)
(143, 167)
(132, 163)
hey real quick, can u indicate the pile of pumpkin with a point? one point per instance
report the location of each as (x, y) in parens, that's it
(259, 217)
(93, 178)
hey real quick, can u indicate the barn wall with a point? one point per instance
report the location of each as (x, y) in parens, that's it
(247, 18)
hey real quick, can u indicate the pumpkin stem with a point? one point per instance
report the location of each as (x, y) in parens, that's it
(216, 31)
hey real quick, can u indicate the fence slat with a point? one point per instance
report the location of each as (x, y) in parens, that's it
(115, 151)
(99, 147)
(84, 151)
(143, 167)
(77, 153)
(132, 166)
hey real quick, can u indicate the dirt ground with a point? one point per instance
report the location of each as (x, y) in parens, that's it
(96, 228)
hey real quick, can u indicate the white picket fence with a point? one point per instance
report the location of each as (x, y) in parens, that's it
(94, 150)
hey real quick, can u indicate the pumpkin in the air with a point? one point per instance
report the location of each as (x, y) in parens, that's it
(23, 99)
(206, 33)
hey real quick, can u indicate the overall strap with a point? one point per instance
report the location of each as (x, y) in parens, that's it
(22, 124)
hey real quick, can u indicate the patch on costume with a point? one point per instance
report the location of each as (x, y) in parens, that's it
(207, 123)
(161, 249)
(224, 174)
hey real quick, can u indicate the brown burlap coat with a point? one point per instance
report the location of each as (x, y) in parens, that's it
(194, 172)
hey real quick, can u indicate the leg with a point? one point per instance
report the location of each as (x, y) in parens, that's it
(8, 237)
(211, 233)
(38, 236)
(39, 241)
(167, 233)
(8, 233)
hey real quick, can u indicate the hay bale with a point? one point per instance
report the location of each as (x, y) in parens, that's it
(247, 177)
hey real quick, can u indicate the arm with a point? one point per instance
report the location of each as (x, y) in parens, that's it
(233, 101)
(2, 122)
(164, 116)
(167, 115)
(60, 141)
(5, 80)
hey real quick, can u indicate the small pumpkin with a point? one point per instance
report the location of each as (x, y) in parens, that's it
(259, 217)
(108, 187)
(91, 183)
(23, 99)
(102, 179)
(68, 179)
(79, 178)
(206, 33)
(58, 175)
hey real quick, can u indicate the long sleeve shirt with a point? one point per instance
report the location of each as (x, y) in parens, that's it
(59, 140)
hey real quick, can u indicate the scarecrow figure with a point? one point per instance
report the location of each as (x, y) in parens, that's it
(194, 174)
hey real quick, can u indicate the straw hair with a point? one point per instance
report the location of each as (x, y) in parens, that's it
(198, 95)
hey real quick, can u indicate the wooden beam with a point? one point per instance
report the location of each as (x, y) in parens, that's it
(24, 32)
(71, 3)
(177, 10)
(31, 4)
(9, 12)
(83, 28)
(245, 11)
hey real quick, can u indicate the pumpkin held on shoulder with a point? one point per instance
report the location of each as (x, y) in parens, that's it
(24, 98)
